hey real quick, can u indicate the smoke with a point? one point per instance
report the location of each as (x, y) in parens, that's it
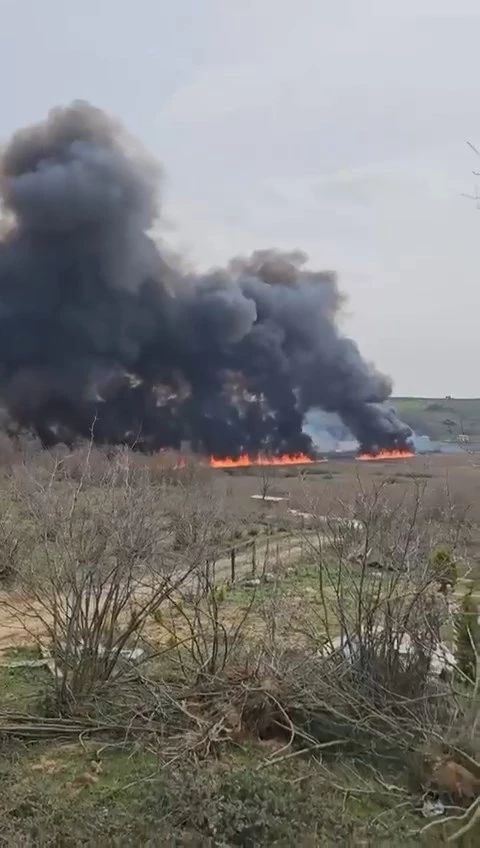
(98, 328)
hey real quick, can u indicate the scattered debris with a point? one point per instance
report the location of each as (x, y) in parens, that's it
(431, 809)
(50, 662)
(271, 498)
(251, 582)
(254, 582)
(329, 520)
(442, 659)
(132, 654)
(47, 660)
(300, 514)
(370, 559)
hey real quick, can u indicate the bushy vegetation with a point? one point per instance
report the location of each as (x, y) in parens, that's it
(467, 637)
(308, 702)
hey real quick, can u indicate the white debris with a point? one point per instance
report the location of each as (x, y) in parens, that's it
(268, 577)
(442, 658)
(271, 498)
(300, 514)
(126, 653)
(50, 662)
(351, 523)
(431, 809)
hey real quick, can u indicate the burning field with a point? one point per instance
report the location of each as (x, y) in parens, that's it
(102, 334)
(245, 461)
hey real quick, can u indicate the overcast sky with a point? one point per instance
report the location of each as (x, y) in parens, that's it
(338, 127)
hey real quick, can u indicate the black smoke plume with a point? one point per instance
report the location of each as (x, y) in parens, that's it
(98, 329)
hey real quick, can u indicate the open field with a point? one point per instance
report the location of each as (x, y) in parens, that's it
(146, 697)
(441, 418)
(334, 486)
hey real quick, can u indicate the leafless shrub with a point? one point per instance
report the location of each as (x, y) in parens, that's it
(11, 546)
(374, 630)
(101, 564)
(371, 674)
(86, 463)
(265, 483)
(197, 515)
(206, 644)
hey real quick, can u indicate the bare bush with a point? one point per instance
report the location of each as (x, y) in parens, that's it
(198, 516)
(11, 546)
(101, 564)
(378, 593)
(265, 483)
(372, 675)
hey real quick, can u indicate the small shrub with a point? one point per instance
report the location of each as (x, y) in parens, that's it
(467, 636)
(444, 567)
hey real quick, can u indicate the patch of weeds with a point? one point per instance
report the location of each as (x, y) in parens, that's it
(300, 579)
(242, 596)
(24, 689)
(22, 652)
(307, 574)
(72, 796)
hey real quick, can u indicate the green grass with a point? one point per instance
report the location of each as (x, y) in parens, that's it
(24, 689)
(300, 579)
(427, 416)
(21, 652)
(72, 795)
(90, 793)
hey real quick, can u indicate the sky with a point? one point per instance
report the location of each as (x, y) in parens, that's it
(336, 127)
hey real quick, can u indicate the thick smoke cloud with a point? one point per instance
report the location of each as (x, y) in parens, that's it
(98, 328)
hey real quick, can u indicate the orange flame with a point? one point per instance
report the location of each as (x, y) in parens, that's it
(386, 454)
(244, 460)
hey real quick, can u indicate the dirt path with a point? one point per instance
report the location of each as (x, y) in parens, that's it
(20, 626)
(270, 552)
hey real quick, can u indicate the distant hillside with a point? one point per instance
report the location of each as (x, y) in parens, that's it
(441, 418)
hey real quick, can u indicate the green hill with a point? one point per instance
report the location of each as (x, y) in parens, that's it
(441, 418)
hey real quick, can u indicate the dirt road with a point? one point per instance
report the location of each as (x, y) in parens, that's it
(20, 626)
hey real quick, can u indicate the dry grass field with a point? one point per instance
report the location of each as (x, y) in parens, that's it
(443, 481)
(337, 480)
